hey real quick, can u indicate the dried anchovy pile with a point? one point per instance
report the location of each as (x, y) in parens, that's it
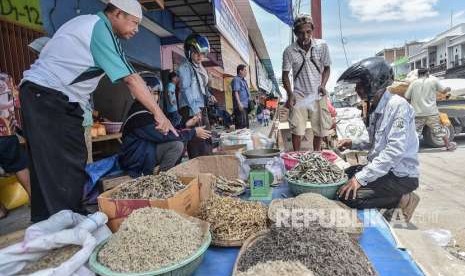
(328, 210)
(277, 268)
(315, 169)
(227, 187)
(149, 239)
(233, 219)
(53, 258)
(324, 251)
(160, 186)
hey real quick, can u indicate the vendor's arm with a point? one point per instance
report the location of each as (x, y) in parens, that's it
(395, 148)
(112, 60)
(287, 67)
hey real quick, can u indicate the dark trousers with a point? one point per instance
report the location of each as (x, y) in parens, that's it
(56, 148)
(383, 193)
(241, 118)
(197, 147)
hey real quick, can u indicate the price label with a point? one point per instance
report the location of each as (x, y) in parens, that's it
(23, 12)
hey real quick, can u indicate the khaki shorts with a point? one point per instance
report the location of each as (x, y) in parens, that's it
(298, 117)
(432, 122)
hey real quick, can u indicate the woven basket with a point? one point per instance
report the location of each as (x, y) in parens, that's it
(247, 244)
(183, 268)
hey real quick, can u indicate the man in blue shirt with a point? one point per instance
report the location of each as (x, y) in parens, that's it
(240, 90)
(391, 175)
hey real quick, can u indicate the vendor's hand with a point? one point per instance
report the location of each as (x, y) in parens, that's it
(344, 144)
(322, 91)
(290, 102)
(164, 125)
(241, 107)
(202, 133)
(352, 186)
(193, 121)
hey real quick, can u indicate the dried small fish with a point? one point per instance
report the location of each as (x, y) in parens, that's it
(161, 186)
(226, 187)
(277, 268)
(149, 239)
(324, 251)
(313, 168)
(233, 219)
(53, 258)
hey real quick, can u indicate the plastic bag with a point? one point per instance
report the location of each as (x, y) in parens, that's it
(241, 136)
(441, 237)
(276, 167)
(12, 193)
(244, 168)
(62, 229)
(261, 141)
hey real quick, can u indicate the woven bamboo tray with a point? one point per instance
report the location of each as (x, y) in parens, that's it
(247, 244)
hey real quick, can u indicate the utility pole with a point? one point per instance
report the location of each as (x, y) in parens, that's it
(316, 15)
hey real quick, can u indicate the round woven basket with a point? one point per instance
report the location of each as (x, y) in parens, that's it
(247, 244)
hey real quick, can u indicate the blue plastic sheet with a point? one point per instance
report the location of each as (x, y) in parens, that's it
(376, 241)
(282, 9)
(95, 171)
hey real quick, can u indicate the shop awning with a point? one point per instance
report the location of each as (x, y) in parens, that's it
(199, 16)
(282, 9)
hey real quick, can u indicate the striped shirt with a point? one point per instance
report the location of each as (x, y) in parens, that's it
(309, 79)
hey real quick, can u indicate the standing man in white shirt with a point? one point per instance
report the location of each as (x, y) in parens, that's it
(309, 61)
(55, 92)
(422, 96)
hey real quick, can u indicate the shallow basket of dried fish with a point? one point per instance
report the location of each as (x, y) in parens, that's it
(248, 243)
(328, 190)
(183, 268)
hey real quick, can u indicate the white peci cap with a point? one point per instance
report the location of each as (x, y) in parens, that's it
(131, 7)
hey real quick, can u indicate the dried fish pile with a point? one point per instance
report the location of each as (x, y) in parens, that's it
(53, 258)
(313, 168)
(160, 186)
(227, 187)
(329, 213)
(149, 239)
(233, 219)
(324, 251)
(277, 268)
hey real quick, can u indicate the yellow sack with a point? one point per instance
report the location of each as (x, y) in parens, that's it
(12, 194)
(444, 119)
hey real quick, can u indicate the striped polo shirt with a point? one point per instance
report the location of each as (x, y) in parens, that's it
(309, 79)
(80, 53)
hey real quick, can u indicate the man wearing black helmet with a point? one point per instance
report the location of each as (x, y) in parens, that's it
(391, 175)
(193, 91)
(308, 60)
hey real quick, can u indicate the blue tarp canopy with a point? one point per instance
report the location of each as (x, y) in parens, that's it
(282, 9)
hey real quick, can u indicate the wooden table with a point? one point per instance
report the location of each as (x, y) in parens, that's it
(115, 136)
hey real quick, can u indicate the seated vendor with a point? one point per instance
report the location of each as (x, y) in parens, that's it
(391, 175)
(145, 147)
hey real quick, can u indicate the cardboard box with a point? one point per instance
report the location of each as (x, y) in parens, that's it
(219, 165)
(186, 201)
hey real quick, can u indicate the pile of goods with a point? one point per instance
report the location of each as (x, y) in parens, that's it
(97, 130)
(277, 268)
(53, 258)
(324, 251)
(233, 219)
(313, 168)
(150, 239)
(161, 186)
(226, 187)
(326, 211)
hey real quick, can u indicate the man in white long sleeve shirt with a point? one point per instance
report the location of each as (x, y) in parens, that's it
(391, 175)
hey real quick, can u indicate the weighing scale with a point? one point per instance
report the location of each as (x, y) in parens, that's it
(260, 178)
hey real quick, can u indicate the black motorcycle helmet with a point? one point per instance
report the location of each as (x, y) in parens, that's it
(373, 74)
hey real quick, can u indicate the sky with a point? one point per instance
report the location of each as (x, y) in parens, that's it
(368, 26)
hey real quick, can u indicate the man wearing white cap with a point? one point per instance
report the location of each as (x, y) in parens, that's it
(56, 90)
